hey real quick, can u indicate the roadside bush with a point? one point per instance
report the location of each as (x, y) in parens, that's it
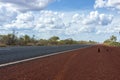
(30, 44)
(112, 41)
(3, 45)
(114, 44)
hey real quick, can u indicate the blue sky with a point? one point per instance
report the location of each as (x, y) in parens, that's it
(71, 5)
(78, 19)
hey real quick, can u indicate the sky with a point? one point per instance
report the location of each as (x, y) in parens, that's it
(77, 19)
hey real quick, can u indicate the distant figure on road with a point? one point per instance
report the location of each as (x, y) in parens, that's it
(98, 49)
(107, 50)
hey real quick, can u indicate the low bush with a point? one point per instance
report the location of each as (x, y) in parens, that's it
(114, 44)
(30, 44)
(3, 45)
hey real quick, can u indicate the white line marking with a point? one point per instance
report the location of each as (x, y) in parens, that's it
(25, 60)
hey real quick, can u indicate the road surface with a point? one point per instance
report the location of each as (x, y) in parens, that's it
(92, 63)
(11, 54)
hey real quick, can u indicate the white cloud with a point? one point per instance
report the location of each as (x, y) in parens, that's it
(112, 28)
(25, 17)
(22, 21)
(111, 4)
(9, 9)
(49, 20)
(99, 3)
(108, 30)
(6, 15)
(76, 18)
(60, 22)
(98, 19)
(48, 23)
(25, 5)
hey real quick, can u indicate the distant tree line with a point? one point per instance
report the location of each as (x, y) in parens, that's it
(26, 40)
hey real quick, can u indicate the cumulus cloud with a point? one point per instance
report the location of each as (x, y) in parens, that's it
(111, 4)
(22, 21)
(76, 26)
(6, 15)
(49, 20)
(25, 17)
(76, 18)
(112, 28)
(43, 21)
(25, 5)
(107, 30)
(98, 19)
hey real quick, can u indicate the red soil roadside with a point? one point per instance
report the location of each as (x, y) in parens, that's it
(93, 63)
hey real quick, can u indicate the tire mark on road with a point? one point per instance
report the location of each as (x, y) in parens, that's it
(60, 75)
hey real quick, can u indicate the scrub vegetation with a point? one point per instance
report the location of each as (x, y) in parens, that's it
(26, 40)
(112, 41)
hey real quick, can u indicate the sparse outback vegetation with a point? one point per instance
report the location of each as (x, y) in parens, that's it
(26, 40)
(2, 45)
(112, 41)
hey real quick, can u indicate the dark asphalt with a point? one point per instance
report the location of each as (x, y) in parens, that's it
(11, 54)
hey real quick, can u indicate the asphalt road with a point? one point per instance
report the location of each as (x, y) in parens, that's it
(11, 54)
(98, 62)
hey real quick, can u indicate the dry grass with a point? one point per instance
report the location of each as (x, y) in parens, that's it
(2, 45)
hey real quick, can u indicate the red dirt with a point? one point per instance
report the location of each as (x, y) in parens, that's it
(93, 63)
